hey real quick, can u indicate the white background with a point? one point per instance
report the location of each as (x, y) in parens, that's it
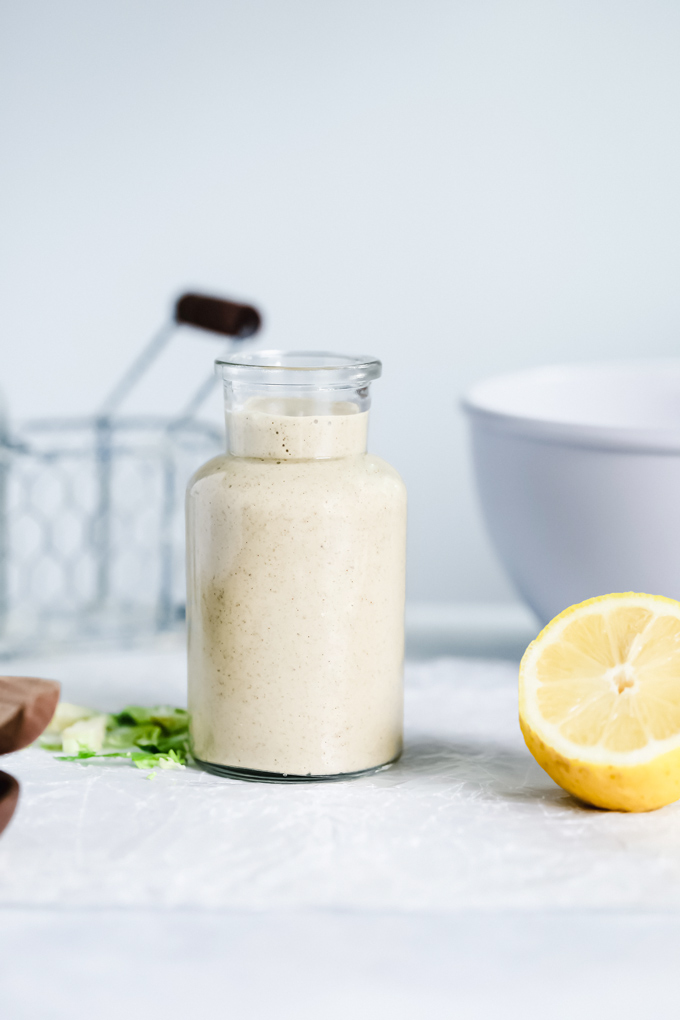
(459, 188)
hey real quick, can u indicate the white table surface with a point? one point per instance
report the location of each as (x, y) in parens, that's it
(461, 880)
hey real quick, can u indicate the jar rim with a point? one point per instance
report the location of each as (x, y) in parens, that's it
(299, 367)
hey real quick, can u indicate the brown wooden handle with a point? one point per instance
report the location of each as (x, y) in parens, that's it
(9, 795)
(218, 315)
(26, 706)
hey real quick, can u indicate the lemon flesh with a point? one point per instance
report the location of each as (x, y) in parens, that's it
(599, 701)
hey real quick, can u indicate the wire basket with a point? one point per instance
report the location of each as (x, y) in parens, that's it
(92, 509)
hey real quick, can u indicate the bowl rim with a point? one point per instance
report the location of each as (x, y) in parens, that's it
(635, 438)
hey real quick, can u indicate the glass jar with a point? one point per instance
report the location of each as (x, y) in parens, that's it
(296, 542)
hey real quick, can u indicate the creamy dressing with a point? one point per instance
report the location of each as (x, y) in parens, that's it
(296, 560)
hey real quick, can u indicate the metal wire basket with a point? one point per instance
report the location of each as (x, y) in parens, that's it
(91, 509)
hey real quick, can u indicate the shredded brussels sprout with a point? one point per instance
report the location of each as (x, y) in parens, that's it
(148, 737)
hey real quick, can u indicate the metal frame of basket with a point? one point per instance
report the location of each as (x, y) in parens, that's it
(91, 508)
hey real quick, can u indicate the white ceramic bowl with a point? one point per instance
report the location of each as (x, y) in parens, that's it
(578, 470)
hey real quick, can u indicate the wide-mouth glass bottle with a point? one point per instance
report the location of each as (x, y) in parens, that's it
(296, 562)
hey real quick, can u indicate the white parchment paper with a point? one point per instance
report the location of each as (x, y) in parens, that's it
(465, 820)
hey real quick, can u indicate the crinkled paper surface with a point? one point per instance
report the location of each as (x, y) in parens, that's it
(465, 820)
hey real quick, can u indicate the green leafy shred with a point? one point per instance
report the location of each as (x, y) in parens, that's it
(156, 737)
(141, 759)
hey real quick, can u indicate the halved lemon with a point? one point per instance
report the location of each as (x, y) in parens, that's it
(599, 701)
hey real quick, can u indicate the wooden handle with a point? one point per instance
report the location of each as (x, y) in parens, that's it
(218, 315)
(9, 795)
(26, 706)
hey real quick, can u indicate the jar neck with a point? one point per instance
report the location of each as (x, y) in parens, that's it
(319, 425)
(297, 405)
